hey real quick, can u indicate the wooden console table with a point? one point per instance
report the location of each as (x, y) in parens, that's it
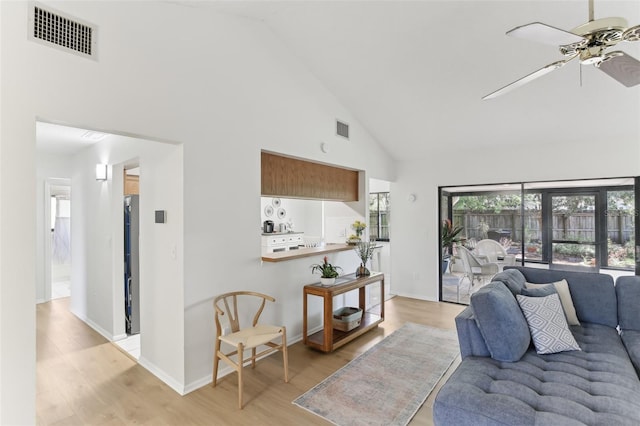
(329, 339)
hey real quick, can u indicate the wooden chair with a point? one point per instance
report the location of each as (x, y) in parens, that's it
(242, 339)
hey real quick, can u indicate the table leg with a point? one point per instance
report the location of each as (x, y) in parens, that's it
(328, 323)
(304, 317)
(382, 297)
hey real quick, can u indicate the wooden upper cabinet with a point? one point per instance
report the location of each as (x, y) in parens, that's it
(290, 177)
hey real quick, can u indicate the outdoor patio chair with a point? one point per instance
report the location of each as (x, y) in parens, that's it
(494, 252)
(475, 269)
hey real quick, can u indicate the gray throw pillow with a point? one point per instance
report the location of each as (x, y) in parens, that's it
(512, 278)
(501, 322)
(549, 329)
(539, 291)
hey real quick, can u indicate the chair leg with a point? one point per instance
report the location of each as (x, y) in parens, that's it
(253, 358)
(216, 349)
(285, 356)
(240, 363)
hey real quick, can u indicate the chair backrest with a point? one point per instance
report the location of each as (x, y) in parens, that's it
(491, 248)
(226, 305)
(464, 256)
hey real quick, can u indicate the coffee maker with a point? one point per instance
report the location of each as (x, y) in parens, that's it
(267, 226)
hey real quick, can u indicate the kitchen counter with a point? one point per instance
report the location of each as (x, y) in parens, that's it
(267, 234)
(304, 252)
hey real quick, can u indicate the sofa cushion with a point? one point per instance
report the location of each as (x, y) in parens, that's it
(595, 386)
(631, 340)
(548, 325)
(594, 295)
(469, 335)
(501, 322)
(562, 287)
(628, 292)
(512, 278)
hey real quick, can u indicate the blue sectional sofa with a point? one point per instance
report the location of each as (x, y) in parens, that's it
(503, 380)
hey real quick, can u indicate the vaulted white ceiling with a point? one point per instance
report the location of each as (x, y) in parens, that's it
(414, 72)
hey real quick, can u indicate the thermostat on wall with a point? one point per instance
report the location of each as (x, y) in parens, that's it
(161, 216)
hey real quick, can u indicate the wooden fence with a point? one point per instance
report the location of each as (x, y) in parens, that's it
(566, 226)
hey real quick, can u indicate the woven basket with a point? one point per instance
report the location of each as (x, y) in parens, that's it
(347, 318)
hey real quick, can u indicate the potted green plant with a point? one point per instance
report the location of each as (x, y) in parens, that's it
(328, 272)
(365, 252)
(449, 235)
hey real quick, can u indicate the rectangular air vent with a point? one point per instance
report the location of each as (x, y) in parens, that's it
(69, 34)
(342, 129)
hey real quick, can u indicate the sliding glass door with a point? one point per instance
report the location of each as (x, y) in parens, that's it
(584, 225)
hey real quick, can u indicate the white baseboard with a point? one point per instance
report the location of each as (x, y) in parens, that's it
(160, 374)
(415, 296)
(104, 333)
(39, 301)
(120, 337)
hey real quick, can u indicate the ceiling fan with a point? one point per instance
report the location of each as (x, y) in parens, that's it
(589, 43)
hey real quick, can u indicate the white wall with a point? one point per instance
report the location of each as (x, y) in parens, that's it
(17, 233)
(377, 185)
(415, 225)
(97, 271)
(233, 92)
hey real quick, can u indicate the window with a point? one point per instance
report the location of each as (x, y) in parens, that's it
(379, 216)
(581, 225)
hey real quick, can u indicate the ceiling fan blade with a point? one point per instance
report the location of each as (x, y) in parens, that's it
(632, 34)
(622, 67)
(543, 33)
(526, 79)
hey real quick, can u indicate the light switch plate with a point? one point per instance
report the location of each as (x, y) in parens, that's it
(161, 216)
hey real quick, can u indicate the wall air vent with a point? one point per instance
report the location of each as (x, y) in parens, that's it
(342, 129)
(56, 30)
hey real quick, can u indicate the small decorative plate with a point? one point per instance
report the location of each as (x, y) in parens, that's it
(281, 213)
(276, 202)
(268, 211)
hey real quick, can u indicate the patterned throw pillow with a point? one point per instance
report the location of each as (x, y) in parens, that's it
(547, 323)
(562, 287)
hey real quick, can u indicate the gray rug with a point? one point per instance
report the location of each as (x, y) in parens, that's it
(387, 384)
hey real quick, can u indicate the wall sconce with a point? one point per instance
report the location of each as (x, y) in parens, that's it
(101, 172)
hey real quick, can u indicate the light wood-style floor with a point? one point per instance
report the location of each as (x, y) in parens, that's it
(82, 379)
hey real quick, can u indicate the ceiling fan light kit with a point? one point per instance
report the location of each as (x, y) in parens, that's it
(588, 42)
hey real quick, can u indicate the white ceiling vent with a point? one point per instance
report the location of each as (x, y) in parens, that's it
(64, 32)
(342, 129)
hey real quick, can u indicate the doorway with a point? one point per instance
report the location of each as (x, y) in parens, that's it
(57, 238)
(131, 284)
(60, 243)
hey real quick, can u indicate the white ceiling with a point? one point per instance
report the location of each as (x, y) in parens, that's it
(55, 138)
(413, 72)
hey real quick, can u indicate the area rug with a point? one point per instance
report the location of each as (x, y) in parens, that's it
(387, 384)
